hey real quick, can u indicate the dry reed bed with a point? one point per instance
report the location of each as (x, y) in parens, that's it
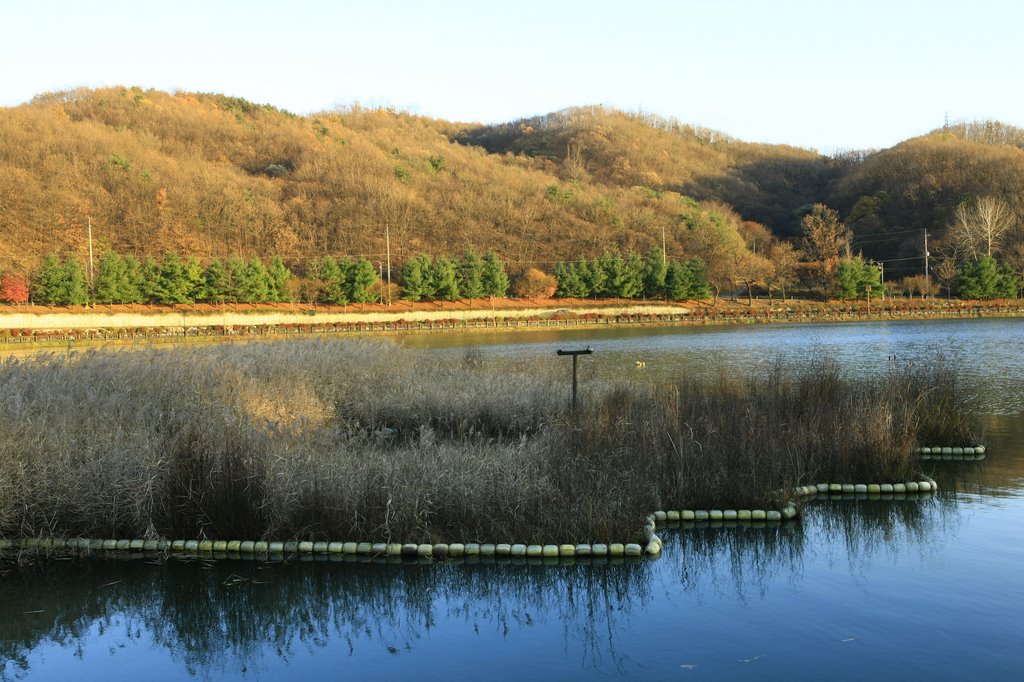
(341, 439)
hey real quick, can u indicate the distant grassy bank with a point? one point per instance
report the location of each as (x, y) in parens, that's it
(23, 325)
(333, 439)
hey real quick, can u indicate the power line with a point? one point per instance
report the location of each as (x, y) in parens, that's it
(897, 260)
(870, 238)
(905, 230)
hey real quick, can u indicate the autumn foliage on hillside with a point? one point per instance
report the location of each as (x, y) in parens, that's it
(213, 178)
(919, 184)
(765, 183)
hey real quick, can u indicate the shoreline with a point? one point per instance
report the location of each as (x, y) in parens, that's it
(175, 324)
(650, 547)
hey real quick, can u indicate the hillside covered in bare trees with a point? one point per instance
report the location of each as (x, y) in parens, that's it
(212, 177)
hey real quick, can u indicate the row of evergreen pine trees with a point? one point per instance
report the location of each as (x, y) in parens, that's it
(338, 281)
(446, 279)
(616, 276)
(329, 280)
(124, 279)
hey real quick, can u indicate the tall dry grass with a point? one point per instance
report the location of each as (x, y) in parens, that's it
(366, 440)
(737, 440)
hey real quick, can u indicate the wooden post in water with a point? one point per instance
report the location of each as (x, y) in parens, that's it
(575, 354)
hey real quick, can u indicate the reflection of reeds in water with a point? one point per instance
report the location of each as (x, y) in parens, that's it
(896, 527)
(368, 441)
(971, 477)
(752, 559)
(218, 618)
(998, 475)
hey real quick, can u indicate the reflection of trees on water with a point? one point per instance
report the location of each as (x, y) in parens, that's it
(221, 617)
(999, 475)
(230, 615)
(752, 559)
(899, 528)
(748, 558)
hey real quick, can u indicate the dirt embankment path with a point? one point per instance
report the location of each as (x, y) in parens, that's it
(240, 315)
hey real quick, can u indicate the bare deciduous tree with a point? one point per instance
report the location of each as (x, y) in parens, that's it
(945, 272)
(920, 285)
(826, 240)
(825, 236)
(980, 226)
(785, 258)
(1013, 256)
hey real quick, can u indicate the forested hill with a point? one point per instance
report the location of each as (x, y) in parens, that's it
(768, 184)
(214, 176)
(895, 193)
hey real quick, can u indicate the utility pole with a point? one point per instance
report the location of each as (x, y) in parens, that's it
(380, 267)
(927, 276)
(387, 237)
(881, 277)
(90, 256)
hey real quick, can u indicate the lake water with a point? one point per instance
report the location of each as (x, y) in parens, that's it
(865, 589)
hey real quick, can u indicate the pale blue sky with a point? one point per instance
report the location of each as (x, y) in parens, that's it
(829, 75)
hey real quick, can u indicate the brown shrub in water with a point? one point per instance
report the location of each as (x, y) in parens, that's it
(343, 440)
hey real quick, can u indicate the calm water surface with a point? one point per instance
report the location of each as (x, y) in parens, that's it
(856, 589)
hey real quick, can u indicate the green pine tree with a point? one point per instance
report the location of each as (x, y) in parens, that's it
(49, 285)
(110, 276)
(848, 279)
(152, 286)
(130, 288)
(195, 280)
(632, 277)
(77, 287)
(699, 287)
(174, 283)
(470, 279)
(444, 278)
(235, 267)
(362, 277)
(579, 279)
(570, 281)
(677, 281)
(279, 276)
(853, 277)
(494, 277)
(254, 284)
(595, 278)
(985, 279)
(655, 271)
(615, 274)
(216, 283)
(331, 279)
(416, 285)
